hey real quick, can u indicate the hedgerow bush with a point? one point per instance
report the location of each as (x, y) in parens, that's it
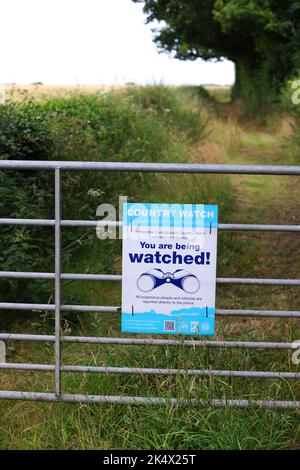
(140, 124)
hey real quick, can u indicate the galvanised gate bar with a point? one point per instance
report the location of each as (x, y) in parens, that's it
(57, 339)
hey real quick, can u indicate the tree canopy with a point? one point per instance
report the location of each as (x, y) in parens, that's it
(261, 37)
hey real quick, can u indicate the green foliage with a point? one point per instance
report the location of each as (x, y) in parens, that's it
(296, 142)
(261, 37)
(64, 426)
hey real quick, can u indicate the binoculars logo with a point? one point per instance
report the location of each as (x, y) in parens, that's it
(2, 352)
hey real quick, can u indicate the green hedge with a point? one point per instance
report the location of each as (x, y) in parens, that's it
(140, 124)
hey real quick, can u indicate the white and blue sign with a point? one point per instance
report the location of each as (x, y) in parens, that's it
(169, 268)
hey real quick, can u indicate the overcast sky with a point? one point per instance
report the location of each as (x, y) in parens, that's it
(90, 42)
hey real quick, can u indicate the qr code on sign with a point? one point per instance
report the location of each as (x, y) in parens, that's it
(169, 325)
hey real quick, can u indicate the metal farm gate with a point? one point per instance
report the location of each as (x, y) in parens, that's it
(57, 339)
